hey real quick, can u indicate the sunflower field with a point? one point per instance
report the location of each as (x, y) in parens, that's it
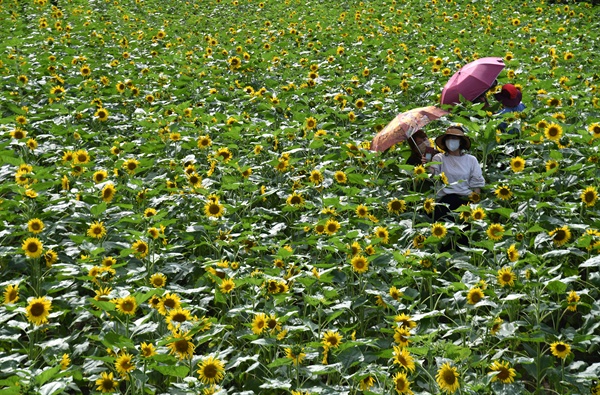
(189, 203)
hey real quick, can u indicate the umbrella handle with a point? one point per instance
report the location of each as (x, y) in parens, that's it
(415, 143)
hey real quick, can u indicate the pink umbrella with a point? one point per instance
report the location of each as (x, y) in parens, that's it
(472, 80)
(404, 125)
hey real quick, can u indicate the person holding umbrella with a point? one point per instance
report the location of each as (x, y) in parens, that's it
(462, 171)
(419, 146)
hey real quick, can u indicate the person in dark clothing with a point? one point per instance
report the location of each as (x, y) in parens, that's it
(419, 146)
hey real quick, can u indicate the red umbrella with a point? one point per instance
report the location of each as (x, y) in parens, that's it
(472, 80)
(404, 125)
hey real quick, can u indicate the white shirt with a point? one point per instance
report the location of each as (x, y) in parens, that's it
(463, 173)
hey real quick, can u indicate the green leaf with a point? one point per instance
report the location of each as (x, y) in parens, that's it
(46, 375)
(279, 362)
(114, 340)
(556, 286)
(174, 371)
(98, 209)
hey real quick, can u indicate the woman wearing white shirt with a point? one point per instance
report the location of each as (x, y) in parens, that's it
(461, 169)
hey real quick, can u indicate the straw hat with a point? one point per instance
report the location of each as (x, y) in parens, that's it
(453, 131)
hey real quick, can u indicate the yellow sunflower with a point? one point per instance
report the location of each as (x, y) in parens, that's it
(108, 192)
(38, 310)
(332, 226)
(438, 230)
(11, 294)
(474, 295)
(124, 364)
(506, 277)
(572, 300)
(503, 192)
(401, 336)
(360, 264)
(495, 232)
(517, 164)
(396, 206)
(97, 230)
(106, 383)
(447, 378)
(227, 285)
(127, 305)
(102, 114)
(401, 383)
(332, 339)
(211, 370)
(589, 196)
(513, 253)
(32, 247)
(213, 209)
(502, 372)
(296, 354)
(560, 235)
(553, 132)
(140, 248)
(429, 205)
(403, 358)
(147, 350)
(181, 345)
(176, 317)
(362, 211)
(560, 349)
(340, 177)
(35, 225)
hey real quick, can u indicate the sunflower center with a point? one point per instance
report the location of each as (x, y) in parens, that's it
(38, 309)
(181, 346)
(170, 303)
(214, 209)
(32, 247)
(560, 348)
(107, 384)
(210, 371)
(504, 374)
(449, 377)
(127, 306)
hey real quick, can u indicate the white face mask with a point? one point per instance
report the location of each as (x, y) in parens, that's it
(452, 145)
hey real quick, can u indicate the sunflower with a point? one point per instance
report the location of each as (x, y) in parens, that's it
(310, 123)
(506, 277)
(447, 378)
(127, 305)
(81, 157)
(362, 211)
(316, 177)
(340, 177)
(213, 209)
(517, 164)
(32, 247)
(360, 264)
(204, 142)
(495, 232)
(396, 206)
(140, 248)
(553, 132)
(147, 350)
(273, 323)
(106, 383)
(149, 212)
(18, 133)
(102, 294)
(259, 323)
(108, 192)
(158, 280)
(332, 226)
(38, 310)
(176, 317)
(589, 196)
(502, 372)
(560, 235)
(429, 205)
(35, 226)
(11, 294)
(401, 383)
(475, 295)
(99, 176)
(169, 301)
(572, 300)
(513, 253)
(366, 383)
(382, 233)
(124, 364)
(211, 370)
(551, 164)
(419, 241)
(131, 165)
(401, 335)
(227, 285)
(331, 339)
(102, 114)
(97, 230)
(595, 130)
(403, 358)
(503, 192)
(496, 325)
(560, 349)
(181, 345)
(296, 354)
(438, 230)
